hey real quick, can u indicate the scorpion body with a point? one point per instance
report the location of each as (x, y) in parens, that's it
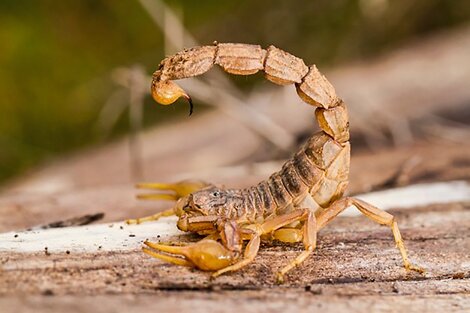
(307, 179)
(294, 203)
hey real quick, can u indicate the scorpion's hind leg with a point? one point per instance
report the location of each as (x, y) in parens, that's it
(172, 192)
(375, 214)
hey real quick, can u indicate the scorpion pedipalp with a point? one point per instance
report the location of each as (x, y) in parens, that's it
(207, 254)
(174, 192)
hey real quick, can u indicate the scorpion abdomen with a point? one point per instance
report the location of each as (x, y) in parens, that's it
(319, 168)
(331, 158)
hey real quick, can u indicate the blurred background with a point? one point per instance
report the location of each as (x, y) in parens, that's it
(74, 75)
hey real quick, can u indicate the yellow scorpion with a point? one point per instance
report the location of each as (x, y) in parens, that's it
(293, 204)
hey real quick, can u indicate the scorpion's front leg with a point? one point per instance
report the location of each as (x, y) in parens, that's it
(251, 251)
(254, 232)
(172, 192)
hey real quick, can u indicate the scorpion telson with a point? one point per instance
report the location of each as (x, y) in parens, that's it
(293, 204)
(168, 92)
(190, 101)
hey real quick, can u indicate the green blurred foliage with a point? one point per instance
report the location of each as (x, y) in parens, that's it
(56, 56)
(55, 65)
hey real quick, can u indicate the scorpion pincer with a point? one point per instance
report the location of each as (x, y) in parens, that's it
(293, 204)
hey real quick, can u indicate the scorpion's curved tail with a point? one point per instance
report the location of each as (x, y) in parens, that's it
(280, 67)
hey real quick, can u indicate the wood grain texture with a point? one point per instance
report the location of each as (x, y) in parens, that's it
(355, 260)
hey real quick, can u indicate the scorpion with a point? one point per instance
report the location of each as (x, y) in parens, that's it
(293, 204)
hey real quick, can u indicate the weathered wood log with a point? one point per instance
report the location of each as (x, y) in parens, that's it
(246, 301)
(355, 260)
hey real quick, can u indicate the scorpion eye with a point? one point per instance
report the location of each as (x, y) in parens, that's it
(216, 194)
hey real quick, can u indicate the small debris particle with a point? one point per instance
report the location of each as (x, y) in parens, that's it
(46, 251)
(99, 248)
(16, 236)
(395, 287)
(459, 275)
(75, 221)
(48, 292)
(313, 289)
(215, 288)
(68, 252)
(121, 227)
(131, 235)
(111, 225)
(158, 236)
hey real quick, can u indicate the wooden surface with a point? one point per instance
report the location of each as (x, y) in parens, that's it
(356, 266)
(356, 263)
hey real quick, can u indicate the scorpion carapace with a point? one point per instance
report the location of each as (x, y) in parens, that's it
(293, 204)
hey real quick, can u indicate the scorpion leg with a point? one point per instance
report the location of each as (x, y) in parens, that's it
(374, 214)
(249, 255)
(310, 243)
(176, 192)
(254, 232)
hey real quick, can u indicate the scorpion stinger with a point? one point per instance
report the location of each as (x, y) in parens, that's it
(190, 101)
(293, 204)
(167, 92)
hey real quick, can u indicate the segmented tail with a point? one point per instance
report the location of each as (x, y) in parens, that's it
(321, 166)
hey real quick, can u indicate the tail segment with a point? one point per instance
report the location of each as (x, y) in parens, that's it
(280, 67)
